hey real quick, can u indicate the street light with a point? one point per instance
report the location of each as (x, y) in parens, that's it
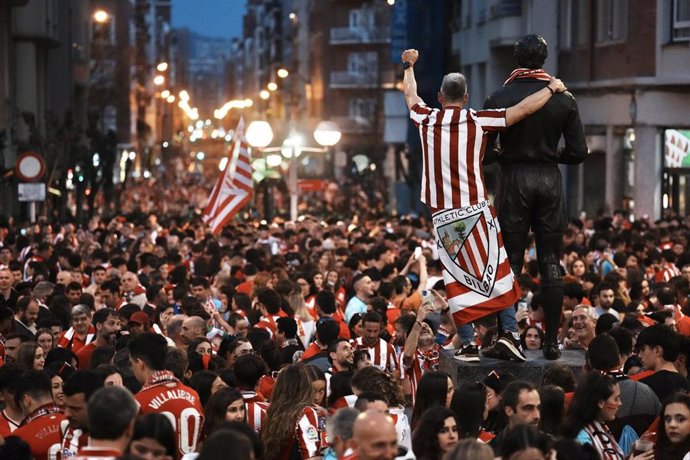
(327, 133)
(101, 16)
(260, 134)
(272, 86)
(282, 73)
(162, 67)
(263, 94)
(158, 80)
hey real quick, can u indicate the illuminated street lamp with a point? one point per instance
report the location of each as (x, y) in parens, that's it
(327, 133)
(162, 67)
(272, 86)
(101, 16)
(263, 94)
(158, 80)
(282, 73)
(165, 93)
(260, 134)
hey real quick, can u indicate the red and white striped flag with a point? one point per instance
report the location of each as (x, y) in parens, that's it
(234, 187)
(477, 271)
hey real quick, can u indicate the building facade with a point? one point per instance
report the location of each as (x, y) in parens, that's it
(626, 64)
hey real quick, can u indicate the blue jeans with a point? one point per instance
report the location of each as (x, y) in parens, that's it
(506, 321)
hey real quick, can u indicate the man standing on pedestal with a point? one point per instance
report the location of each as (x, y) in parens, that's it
(477, 274)
(529, 194)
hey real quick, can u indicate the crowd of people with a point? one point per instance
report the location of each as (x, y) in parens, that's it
(145, 337)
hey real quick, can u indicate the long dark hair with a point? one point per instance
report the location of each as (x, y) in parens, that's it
(425, 437)
(292, 393)
(431, 391)
(468, 403)
(217, 406)
(664, 448)
(585, 406)
(158, 427)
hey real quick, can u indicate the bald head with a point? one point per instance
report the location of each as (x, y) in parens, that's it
(192, 328)
(374, 436)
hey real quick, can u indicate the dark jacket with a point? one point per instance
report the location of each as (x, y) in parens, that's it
(535, 139)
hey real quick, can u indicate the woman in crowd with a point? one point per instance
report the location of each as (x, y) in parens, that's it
(238, 347)
(45, 339)
(470, 448)
(306, 323)
(436, 435)
(58, 373)
(595, 403)
(111, 375)
(577, 268)
(673, 442)
(355, 326)
(226, 404)
(471, 409)
(435, 388)
(201, 345)
(532, 338)
(153, 438)
(30, 356)
(290, 419)
(318, 385)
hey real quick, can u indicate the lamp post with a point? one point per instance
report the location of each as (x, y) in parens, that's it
(260, 134)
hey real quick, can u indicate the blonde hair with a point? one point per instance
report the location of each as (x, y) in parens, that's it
(470, 448)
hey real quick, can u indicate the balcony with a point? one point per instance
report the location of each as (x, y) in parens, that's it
(371, 79)
(359, 35)
(354, 125)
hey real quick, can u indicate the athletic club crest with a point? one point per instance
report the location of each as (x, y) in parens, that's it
(468, 246)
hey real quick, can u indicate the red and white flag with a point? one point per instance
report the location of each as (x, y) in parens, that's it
(477, 271)
(234, 187)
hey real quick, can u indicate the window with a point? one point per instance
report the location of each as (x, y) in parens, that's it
(361, 18)
(573, 23)
(362, 108)
(363, 63)
(681, 20)
(612, 21)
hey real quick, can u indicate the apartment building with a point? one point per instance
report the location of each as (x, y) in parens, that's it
(626, 64)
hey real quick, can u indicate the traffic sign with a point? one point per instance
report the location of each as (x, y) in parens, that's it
(30, 167)
(35, 191)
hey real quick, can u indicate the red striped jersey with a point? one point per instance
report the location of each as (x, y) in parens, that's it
(308, 437)
(423, 362)
(453, 143)
(70, 339)
(382, 355)
(402, 426)
(255, 409)
(73, 440)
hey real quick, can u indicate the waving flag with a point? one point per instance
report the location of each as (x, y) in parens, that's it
(234, 187)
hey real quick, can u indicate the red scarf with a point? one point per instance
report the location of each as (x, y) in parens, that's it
(159, 378)
(522, 73)
(45, 409)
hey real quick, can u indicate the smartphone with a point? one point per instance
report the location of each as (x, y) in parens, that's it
(417, 252)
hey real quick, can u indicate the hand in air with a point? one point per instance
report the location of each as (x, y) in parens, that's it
(410, 56)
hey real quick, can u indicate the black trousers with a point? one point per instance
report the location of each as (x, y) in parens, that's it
(531, 197)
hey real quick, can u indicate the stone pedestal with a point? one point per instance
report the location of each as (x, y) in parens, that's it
(532, 370)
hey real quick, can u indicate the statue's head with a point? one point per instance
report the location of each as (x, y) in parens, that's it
(531, 51)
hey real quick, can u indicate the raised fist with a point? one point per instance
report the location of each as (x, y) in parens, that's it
(410, 56)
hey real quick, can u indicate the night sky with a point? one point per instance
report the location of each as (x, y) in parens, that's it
(212, 18)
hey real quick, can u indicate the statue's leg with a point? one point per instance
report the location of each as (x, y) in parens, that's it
(549, 256)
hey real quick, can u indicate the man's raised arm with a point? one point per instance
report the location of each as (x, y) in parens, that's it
(409, 57)
(534, 102)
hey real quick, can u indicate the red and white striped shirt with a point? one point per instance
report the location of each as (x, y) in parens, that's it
(422, 362)
(382, 355)
(453, 143)
(255, 409)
